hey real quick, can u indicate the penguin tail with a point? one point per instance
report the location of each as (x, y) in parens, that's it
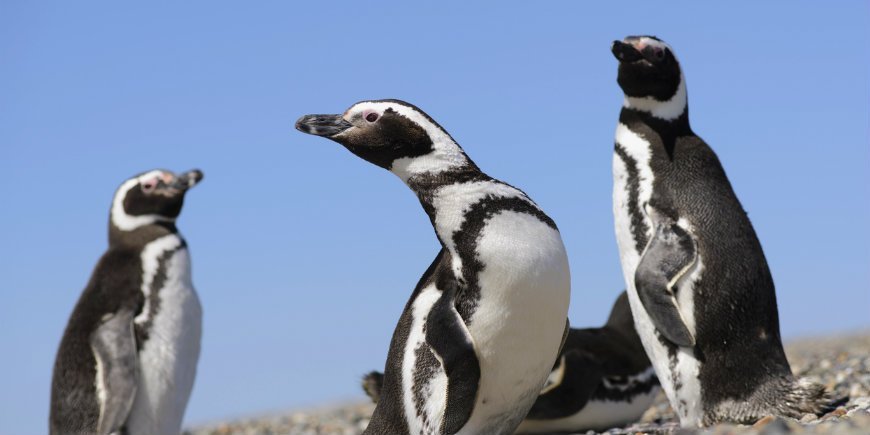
(372, 383)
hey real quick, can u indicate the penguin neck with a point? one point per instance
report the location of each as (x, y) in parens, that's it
(426, 186)
(445, 156)
(139, 237)
(668, 130)
(670, 110)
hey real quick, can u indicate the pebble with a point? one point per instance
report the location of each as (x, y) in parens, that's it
(842, 363)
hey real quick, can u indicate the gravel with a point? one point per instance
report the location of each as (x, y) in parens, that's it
(841, 363)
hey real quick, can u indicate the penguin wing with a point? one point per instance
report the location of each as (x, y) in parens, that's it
(448, 337)
(669, 255)
(114, 347)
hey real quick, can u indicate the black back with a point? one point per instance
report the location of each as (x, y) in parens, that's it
(736, 294)
(114, 284)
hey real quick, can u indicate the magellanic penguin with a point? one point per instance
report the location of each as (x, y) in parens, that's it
(602, 379)
(127, 359)
(482, 329)
(699, 286)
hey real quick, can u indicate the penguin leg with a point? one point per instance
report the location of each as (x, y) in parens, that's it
(449, 339)
(114, 347)
(668, 256)
(581, 376)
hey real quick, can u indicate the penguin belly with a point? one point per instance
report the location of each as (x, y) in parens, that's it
(677, 367)
(519, 321)
(168, 357)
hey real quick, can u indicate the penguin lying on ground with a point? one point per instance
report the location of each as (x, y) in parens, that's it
(127, 359)
(699, 286)
(601, 380)
(484, 325)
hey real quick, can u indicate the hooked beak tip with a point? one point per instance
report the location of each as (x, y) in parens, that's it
(189, 179)
(322, 125)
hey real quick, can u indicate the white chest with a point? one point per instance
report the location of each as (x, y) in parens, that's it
(516, 327)
(520, 318)
(167, 360)
(452, 203)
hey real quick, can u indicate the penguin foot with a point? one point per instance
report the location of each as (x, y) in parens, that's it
(784, 397)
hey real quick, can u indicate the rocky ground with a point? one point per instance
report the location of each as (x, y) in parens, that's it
(841, 363)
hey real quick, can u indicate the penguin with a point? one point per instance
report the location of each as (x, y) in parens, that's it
(602, 379)
(127, 359)
(484, 324)
(699, 286)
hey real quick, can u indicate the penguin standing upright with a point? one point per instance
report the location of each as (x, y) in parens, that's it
(127, 359)
(602, 379)
(483, 327)
(699, 286)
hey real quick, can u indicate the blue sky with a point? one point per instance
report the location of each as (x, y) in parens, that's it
(304, 255)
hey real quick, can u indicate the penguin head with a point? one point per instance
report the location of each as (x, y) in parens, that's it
(151, 197)
(392, 134)
(648, 68)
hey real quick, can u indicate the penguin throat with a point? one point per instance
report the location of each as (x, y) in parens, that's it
(142, 235)
(126, 222)
(667, 110)
(444, 157)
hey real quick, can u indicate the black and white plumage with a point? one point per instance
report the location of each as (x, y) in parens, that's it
(700, 289)
(482, 329)
(127, 359)
(602, 379)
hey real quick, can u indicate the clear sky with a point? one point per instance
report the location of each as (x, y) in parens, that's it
(304, 255)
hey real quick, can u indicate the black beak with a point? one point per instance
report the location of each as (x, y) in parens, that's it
(187, 180)
(625, 52)
(322, 125)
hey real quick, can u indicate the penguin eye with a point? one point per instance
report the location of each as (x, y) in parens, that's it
(372, 117)
(148, 186)
(659, 53)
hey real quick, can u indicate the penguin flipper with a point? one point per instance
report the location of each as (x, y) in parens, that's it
(449, 339)
(669, 255)
(114, 347)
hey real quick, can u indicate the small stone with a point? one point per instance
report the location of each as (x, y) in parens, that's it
(839, 412)
(861, 402)
(776, 426)
(763, 422)
(858, 412)
(808, 418)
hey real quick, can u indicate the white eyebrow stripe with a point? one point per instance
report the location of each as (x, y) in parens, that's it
(119, 216)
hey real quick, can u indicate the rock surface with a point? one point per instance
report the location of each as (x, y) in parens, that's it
(841, 363)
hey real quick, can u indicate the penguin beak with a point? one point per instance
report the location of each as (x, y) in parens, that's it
(625, 52)
(187, 180)
(322, 125)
